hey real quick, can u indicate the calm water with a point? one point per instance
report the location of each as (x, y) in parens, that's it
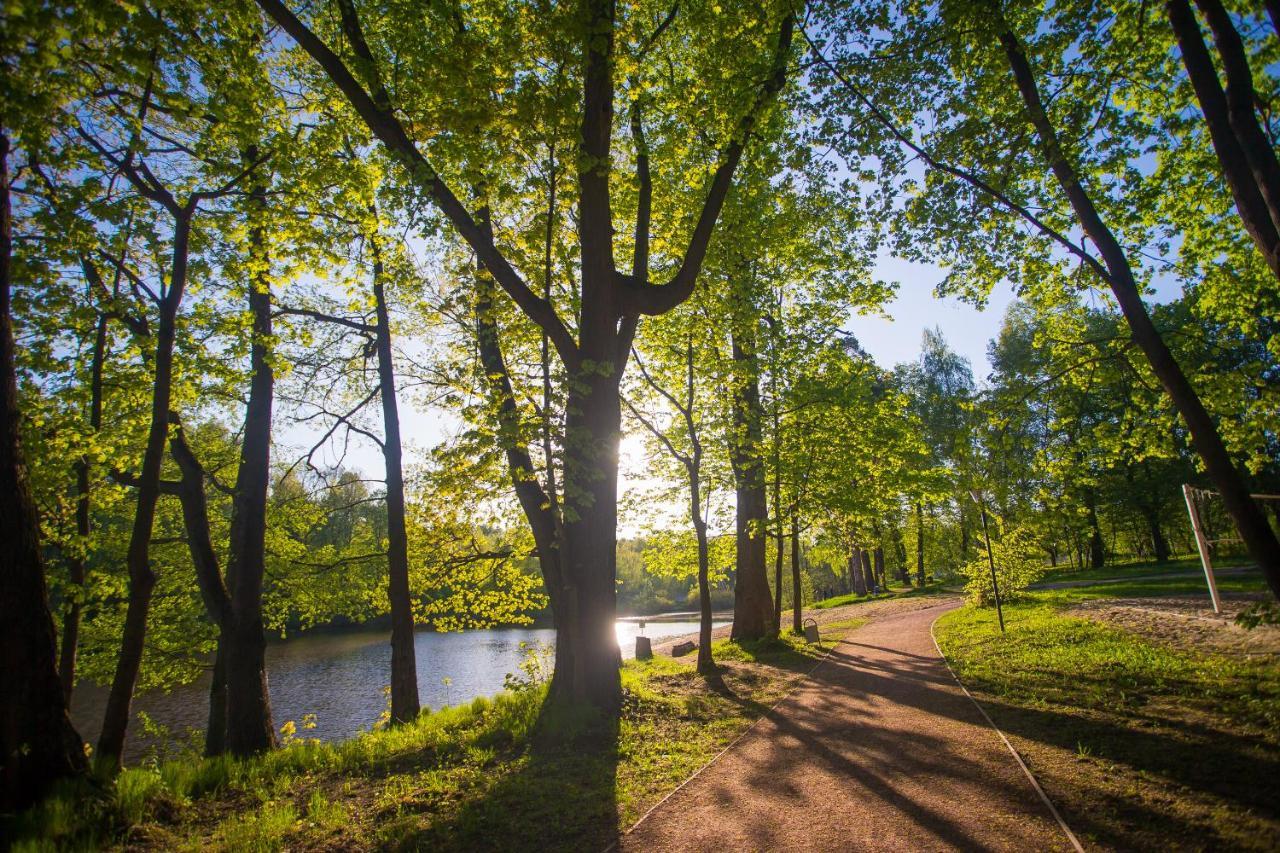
(340, 679)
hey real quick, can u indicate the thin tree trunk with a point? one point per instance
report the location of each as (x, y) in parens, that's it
(1159, 544)
(1252, 525)
(213, 589)
(38, 744)
(84, 522)
(404, 667)
(919, 544)
(142, 578)
(706, 663)
(879, 568)
(797, 592)
(1097, 550)
(753, 612)
(536, 504)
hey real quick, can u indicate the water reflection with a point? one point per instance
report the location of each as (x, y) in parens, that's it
(340, 677)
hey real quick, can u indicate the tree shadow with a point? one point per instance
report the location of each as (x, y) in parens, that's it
(560, 794)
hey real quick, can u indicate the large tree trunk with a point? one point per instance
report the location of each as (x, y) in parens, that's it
(1239, 96)
(84, 522)
(142, 578)
(38, 744)
(797, 592)
(753, 613)
(868, 576)
(1249, 520)
(855, 572)
(250, 729)
(404, 667)
(592, 424)
(881, 580)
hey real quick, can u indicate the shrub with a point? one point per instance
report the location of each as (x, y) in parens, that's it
(1019, 563)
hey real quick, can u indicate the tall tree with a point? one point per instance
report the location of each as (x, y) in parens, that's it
(611, 301)
(38, 744)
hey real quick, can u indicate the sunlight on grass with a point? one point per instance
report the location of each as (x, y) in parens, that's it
(1144, 745)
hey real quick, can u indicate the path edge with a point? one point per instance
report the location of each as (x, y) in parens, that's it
(613, 845)
(1071, 836)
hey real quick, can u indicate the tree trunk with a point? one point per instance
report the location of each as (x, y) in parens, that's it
(753, 612)
(919, 544)
(1257, 534)
(797, 591)
(706, 663)
(142, 578)
(84, 523)
(38, 744)
(879, 568)
(779, 557)
(1159, 544)
(213, 589)
(404, 667)
(1097, 550)
(869, 577)
(592, 424)
(855, 572)
(250, 729)
(537, 504)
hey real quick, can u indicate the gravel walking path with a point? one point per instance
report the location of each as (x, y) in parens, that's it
(877, 749)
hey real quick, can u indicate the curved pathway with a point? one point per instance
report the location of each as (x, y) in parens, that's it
(877, 749)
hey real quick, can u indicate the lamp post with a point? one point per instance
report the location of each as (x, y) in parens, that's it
(977, 496)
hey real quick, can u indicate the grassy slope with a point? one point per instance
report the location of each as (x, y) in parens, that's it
(507, 772)
(1141, 746)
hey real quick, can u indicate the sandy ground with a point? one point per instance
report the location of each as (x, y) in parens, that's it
(1186, 622)
(877, 749)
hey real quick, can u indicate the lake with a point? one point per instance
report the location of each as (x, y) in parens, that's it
(340, 679)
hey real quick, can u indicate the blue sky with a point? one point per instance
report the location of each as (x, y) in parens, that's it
(896, 338)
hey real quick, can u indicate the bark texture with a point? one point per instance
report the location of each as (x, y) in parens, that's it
(405, 703)
(753, 612)
(38, 744)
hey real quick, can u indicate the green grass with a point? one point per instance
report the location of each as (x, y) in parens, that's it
(537, 775)
(1143, 746)
(930, 588)
(1138, 568)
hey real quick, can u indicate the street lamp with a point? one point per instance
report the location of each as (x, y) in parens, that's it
(978, 498)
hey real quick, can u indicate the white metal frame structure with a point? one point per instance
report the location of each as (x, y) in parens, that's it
(1203, 543)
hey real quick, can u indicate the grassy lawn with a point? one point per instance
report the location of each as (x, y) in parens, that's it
(511, 768)
(1135, 568)
(1142, 746)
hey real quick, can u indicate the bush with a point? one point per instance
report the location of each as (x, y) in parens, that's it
(1019, 563)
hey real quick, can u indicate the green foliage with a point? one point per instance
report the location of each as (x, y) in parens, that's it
(1019, 562)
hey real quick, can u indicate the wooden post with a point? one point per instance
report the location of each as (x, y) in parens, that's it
(1202, 545)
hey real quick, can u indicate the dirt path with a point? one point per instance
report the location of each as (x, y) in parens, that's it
(877, 749)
